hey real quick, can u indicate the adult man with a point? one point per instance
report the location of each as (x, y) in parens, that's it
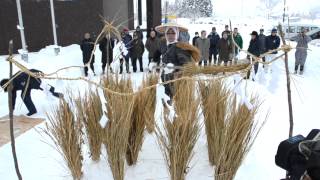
(255, 50)
(127, 41)
(106, 45)
(225, 48)
(86, 47)
(174, 54)
(26, 83)
(262, 44)
(203, 44)
(137, 52)
(214, 39)
(196, 36)
(238, 39)
(272, 43)
(153, 46)
(139, 33)
(226, 30)
(301, 51)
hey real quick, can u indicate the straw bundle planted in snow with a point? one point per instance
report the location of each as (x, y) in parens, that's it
(116, 132)
(214, 97)
(180, 133)
(89, 111)
(66, 134)
(239, 135)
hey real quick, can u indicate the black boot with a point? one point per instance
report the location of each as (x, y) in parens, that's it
(296, 69)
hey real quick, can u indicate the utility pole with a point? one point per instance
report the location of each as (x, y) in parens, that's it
(54, 29)
(24, 51)
(13, 144)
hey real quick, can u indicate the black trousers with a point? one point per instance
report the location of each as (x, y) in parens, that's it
(213, 53)
(26, 97)
(134, 64)
(27, 100)
(168, 88)
(255, 67)
(205, 62)
(126, 59)
(86, 69)
(106, 59)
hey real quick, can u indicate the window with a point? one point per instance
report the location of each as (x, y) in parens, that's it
(292, 29)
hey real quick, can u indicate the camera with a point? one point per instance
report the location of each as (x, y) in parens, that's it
(300, 156)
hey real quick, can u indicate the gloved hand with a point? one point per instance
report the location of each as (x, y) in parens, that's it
(169, 68)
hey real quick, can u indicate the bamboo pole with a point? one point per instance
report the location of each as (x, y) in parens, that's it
(13, 146)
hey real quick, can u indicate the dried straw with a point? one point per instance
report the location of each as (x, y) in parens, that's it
(215, 106)
(66, 134)
(89, 111)
(150, 101)
(180, 133)
(191, 69)
(119, 113)
(239, 135)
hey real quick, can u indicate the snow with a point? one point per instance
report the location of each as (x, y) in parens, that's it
(39, 160)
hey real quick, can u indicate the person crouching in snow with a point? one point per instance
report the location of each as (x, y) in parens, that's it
(86, 47)
(301, 53)
(26, 83)
(174, 55)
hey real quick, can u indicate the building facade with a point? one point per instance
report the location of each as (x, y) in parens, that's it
(73, 19)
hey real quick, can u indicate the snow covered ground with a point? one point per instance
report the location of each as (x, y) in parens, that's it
(38, 159)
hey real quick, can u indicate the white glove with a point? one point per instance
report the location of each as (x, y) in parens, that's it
(169, 68)
(152, 65)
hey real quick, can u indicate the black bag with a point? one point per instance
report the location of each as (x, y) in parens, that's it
(286, 150)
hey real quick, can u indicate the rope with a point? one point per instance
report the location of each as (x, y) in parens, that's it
(108, 28)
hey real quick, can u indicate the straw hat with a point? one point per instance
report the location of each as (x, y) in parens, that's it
(163, 27)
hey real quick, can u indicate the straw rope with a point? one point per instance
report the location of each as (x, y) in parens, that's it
(110, 30)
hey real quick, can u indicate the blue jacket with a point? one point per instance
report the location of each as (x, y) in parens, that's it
(127, 40)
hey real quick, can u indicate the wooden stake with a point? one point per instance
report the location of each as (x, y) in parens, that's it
(288, 83)
(13, 146)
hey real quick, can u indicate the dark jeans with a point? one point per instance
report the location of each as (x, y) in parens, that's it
(126, 59)
(213, 53)
(134, 64)
(205, 62)
(255, 67)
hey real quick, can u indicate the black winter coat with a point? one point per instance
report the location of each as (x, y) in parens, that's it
(103, 45)
(137, 49)
(214, 39)
(86, 47)
(262, 43)
(272, 42)
(254, 47)
(194, 40)
(21, 83)
(175, 55)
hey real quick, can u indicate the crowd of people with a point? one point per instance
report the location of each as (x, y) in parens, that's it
(169, 44)
(215, 49)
